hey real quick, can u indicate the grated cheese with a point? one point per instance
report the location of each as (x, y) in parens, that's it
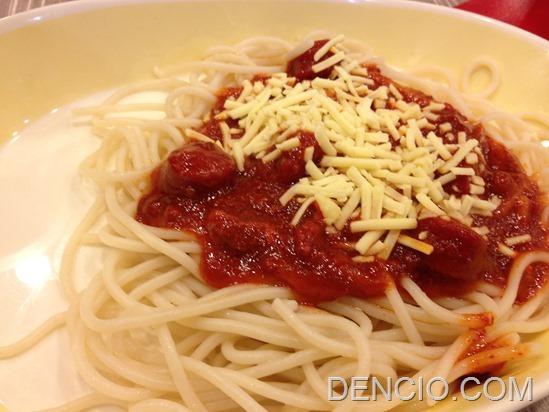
(367, 240)
(517, 240)
(384, 165)
(320, 53)
(416, 244)
(383, 224)
(506, 250)
(329, 62)
(301, 211)
(289, 144)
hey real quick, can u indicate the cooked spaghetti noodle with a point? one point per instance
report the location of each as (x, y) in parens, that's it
(148, 333)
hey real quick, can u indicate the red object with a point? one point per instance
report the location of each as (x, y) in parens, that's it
(247, 235)
(302, 66)
(530, 15)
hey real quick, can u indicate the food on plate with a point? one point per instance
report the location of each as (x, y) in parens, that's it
(276, 214)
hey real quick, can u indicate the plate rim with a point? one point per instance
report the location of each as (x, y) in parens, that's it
(52, 11)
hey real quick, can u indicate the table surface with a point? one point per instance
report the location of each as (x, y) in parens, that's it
(10, 7)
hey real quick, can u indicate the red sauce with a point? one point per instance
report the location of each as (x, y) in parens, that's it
(246, 233)
(247, 236)
(301, 66)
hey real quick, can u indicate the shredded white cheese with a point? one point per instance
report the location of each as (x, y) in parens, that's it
(385, 163)
(517, 240)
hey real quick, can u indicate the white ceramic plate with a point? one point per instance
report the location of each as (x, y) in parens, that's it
(53, 58)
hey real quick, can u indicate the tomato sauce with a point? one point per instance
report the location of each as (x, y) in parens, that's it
(247, 235)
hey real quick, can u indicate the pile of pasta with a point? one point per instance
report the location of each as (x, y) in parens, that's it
(147, 333)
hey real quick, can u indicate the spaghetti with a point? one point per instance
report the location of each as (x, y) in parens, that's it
(148, 333)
